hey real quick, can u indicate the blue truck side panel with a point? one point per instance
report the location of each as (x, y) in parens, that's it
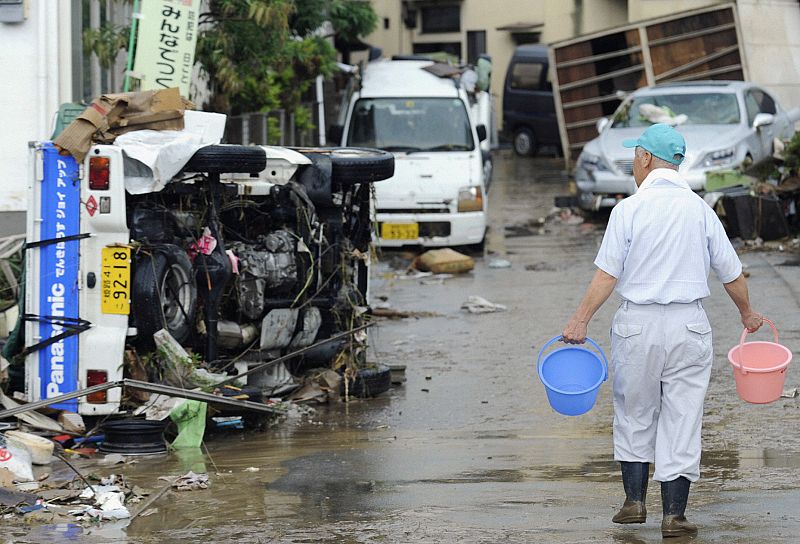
(58, 274)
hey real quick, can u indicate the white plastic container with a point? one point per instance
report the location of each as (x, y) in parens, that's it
(41, 449)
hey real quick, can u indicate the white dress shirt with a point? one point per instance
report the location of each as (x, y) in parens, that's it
(662, 241)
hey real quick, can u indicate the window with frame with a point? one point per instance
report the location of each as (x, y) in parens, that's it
(757, 101)
(476, 45)
(441, 19)
(526, 76)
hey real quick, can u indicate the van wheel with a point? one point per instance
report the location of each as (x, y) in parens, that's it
(164, 294)
(352, 165)
(524, 142)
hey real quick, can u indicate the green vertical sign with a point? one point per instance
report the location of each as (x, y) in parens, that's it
(165, 44)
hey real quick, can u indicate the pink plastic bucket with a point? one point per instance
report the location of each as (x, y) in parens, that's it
(759, 368)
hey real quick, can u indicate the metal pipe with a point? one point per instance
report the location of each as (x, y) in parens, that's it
(41, 69)
(321, 111)
(61, 398)
(142, 386)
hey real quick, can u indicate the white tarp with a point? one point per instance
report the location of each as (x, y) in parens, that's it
(163, 153)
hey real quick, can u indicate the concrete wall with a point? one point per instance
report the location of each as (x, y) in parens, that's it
(36, 63)
(567, 19)
(647, 9)
(771, 34)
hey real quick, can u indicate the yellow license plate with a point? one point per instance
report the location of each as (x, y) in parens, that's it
(116, 280)
(400, 231)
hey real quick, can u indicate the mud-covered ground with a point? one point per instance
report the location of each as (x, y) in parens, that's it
(468, 449)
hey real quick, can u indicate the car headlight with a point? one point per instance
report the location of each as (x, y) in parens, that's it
(720, 157)
(470, 199)
(592, 163)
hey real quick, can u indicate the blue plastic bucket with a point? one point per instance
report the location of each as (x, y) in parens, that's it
(572, 377)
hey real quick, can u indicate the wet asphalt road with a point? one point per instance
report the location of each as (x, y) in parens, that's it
(468, 449)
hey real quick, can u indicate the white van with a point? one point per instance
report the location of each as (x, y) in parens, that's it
(437, 131)
(245, 250)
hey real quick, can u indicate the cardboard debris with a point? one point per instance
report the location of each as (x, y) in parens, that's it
(189, 482)
(36, 420)
(72, 422)
(113, 114)
(321, 388)
(444, 261)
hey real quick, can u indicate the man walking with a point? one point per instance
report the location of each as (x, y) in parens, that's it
(657, 251)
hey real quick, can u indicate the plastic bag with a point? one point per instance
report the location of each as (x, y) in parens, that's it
(190, 417)
(15, 458)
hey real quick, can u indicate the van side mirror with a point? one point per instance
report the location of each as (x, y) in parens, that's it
(482, 134)
(334, 135)
(763, 119)
(601, 124)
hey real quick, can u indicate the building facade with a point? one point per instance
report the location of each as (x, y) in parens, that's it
(466, 28)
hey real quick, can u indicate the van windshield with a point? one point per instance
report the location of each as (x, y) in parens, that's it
(411, 124)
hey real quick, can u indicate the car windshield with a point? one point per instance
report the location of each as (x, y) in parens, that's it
(410, 124)
(681, 109)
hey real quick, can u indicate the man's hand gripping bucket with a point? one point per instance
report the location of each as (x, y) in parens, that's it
(759, 368)
(572, 377)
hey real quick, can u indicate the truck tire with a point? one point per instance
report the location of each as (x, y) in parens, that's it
(352, 165)
(370, 382)
(221, 159)
(524, 142)
(164, 294)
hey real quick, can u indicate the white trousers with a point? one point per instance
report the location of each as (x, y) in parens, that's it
(661, 357)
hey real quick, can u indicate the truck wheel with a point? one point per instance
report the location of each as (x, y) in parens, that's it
(351, 165)
(370, 382)
(220, 159)
(164, 295)
(524, 142)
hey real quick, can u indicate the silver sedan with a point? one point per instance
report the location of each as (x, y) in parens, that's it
(725, 124)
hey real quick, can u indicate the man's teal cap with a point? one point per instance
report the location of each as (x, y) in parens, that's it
(663, 141)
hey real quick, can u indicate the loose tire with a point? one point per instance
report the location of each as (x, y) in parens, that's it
(370, 382)
(351, 165)
(524, 142)
(220, 159)
(164, 295)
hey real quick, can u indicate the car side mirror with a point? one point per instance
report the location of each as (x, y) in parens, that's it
(763, 119)
(335, 133)
(601, 124)
(482, 134)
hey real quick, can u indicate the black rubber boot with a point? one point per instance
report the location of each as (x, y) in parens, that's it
(674, 496)
(634, 480)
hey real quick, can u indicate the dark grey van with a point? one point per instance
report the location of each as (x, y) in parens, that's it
(529, 113)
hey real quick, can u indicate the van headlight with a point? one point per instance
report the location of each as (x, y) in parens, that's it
(470, 199)
(720, 157)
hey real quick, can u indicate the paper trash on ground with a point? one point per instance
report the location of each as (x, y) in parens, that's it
(479, 305)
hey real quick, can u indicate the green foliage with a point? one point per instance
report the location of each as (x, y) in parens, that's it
(260, 55)
(106, 42)
(352, 19)
(791, 162)
(254, 59)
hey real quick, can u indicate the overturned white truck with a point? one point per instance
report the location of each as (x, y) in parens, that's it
(242, 255)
